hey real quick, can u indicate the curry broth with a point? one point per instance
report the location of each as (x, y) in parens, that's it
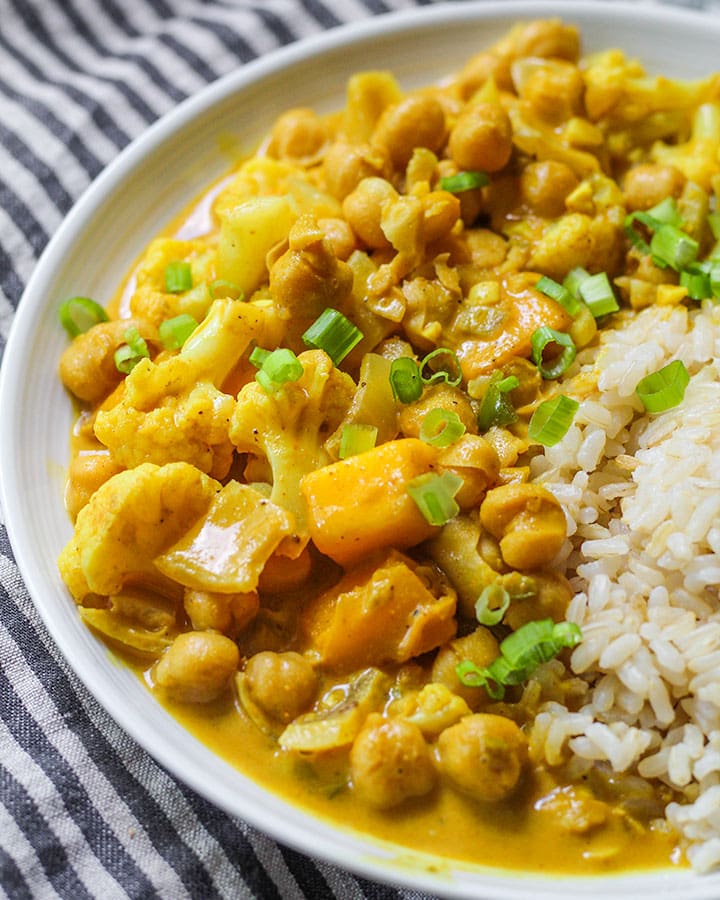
(519, 833)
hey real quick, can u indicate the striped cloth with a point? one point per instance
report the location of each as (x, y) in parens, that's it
(84, 812)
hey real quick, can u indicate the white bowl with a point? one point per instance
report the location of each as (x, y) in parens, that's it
(130, 202)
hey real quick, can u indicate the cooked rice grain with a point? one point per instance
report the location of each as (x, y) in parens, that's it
(642, 495)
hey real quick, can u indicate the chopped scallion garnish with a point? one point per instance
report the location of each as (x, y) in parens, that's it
(697, 284)
(275, 367)
(574, 278)
(492, 604)
(666, 212)
(672, 247)
(496, 407)
(333, 333)
(441, 427)
(357, 438)
(520, 654)
(463, 181)
(129, 354)
(560, 294)
(79, 314)
(178, 277)
(552, 419)
(174, 332)
(598, 294)
(452, 378)
(714, 223)
(547, 337)
(405, 380)
(434, 495)
(664, 389)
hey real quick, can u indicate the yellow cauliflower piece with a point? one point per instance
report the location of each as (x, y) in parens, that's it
(173, 410)
(288, 429)
(131, 519)
(152, 302)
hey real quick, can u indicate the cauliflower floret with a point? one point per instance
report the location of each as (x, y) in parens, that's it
(151, 301)
(699, 157)
(288, 428)
(129, 520)
(174, 410)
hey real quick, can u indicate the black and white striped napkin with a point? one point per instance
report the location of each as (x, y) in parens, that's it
(84, 812)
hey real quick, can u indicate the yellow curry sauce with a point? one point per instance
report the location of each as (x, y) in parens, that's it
(287, 597)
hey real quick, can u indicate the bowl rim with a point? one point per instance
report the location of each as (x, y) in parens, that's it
(381, 865)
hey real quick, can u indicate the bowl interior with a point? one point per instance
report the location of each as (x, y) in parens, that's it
(94, 248)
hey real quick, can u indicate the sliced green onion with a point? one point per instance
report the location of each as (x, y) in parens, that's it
(544, 337)
(334, 334)
(278, 367)
(672, 247)
(574, 278)
(714, 276)
(664, 389)
(174, 332)
(634, 236)
(405, 380)
(178, 277)
(597, 292)
(357, 438)
(714, 223)
(441, 427)
(434, 495)
(666, 212)
(496, 407)
(520, 654)
(222, 288)
(492, 604)
(451, 378)
(697, 284)
(559, 294)
(551, 420)
(129, 354)
(463, 181)
(79, 314)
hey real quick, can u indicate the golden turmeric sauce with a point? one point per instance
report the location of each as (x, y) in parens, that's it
(469, 294)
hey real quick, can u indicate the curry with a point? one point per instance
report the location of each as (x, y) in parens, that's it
(301, 471)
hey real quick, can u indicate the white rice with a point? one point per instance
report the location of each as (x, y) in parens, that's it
(642, 495)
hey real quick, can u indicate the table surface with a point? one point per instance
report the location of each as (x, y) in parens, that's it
(84, 811)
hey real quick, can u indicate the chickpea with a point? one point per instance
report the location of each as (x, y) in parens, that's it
(87, 367)
(554, 91)
(482, 67)
(476, 461)
(339, 235)
(441, 210)
(88, 471)
(416, 121)
(299, 135)
(646, 185)
(545, 185)
(228, 613)
(481, 648)
(284, 685)
(345, 165)
(363, 209)
(548, 38)
(197, 666)
(483, 756)
(390, 762)
(482, 138)
(527, 520)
